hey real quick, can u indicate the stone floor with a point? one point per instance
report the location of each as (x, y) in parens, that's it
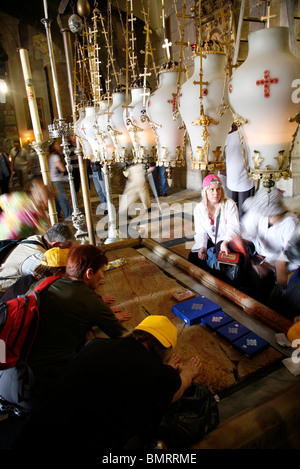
(162, 226)
(179, 201)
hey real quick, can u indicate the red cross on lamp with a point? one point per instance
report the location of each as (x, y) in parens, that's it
(266, 82)
(173, 102)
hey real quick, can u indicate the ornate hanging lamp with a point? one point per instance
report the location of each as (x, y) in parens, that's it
(139, 127)
(135, 117)
(80, 132)
(261, 92)
(120, 101)
(98, 138)
(91, 48)
(117, 127)
(106, 146)
(207, 130)
(88, 127)
(168, 127)
(162, 110)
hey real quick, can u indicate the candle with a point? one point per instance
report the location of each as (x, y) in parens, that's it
(37, 130)
(45, 9)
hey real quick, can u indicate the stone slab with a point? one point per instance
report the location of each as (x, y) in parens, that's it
(142, 288)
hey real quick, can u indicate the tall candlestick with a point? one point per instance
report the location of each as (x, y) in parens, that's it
(31, 95)
(82, 166)
(60, 129)
(40, 146)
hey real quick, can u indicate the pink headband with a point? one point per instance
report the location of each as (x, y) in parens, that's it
(211, 179)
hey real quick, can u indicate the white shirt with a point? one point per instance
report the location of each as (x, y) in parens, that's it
(228, 225)
(21, 261)
(20, 158)
(55, 174)
(271, 241)
(236, 174)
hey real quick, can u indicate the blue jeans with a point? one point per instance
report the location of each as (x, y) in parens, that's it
(161, 171)
(295, 276)
(62, 201)
(100, 188)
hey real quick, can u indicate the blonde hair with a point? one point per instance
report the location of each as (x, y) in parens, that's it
(222, 199)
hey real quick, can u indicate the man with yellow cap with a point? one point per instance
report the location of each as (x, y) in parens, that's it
(285, 296)
(53, 262)
(293, 334)
(114, 392)
(25, 257)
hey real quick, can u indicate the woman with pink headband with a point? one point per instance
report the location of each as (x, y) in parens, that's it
(214, 209)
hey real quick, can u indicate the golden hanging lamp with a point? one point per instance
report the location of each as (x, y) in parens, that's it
(83, 8)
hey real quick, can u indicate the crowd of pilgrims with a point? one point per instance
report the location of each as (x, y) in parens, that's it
(266, 237)
(108, 392)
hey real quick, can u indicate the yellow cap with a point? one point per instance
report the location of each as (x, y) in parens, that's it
(55, 257)
(161, 328)
(294, 332)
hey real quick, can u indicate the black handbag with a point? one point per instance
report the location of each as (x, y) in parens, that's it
(187, 420)
(231, 272)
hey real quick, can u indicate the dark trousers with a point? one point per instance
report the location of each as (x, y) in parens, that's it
(76, 177)
(240, 197)
(248, 280)
(286, 299)
(194, 259)
(4, 185)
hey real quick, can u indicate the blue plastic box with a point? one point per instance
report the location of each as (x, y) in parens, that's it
(191, 311)
(233, 331)
(216, 320)
(251, 344)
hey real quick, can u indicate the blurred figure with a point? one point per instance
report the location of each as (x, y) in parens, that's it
(6, 173)
(136, 188)
(160, 180)
(294, 332)
(34, 163)
(56, 170)
(24, 258)
(24, 215)
(239, 186)
(285, 296)
(266, 228)
(99, 183)
(74, 163)
(53, 262)
(21, 164)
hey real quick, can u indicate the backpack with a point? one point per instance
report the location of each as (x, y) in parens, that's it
(19, 319)
(7, 245)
